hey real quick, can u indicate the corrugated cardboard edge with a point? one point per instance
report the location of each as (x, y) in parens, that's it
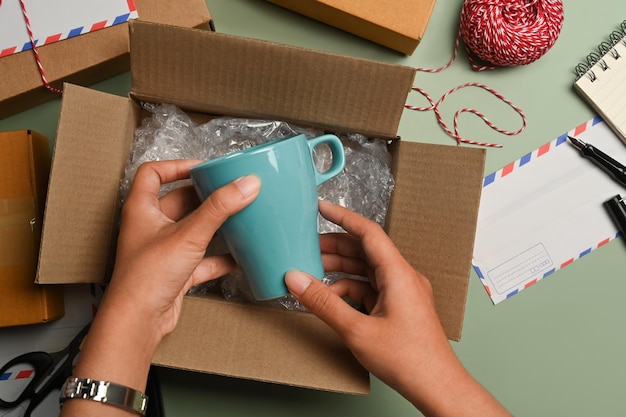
(398, 27)
(432, 219)
(259, 79)
(99, 151)
(261, 343)
(85, 59)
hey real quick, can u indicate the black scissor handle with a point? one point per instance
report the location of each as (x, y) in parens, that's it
(40, 362)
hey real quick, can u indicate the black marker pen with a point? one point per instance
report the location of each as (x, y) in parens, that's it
(608, 164)
(616, 207)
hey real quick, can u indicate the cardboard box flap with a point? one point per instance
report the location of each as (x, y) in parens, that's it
(433, 211)
(82, 210)
(258, 79)
(261, 343)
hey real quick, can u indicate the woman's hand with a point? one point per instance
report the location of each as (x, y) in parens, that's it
(160, 255)
(162, 243)
(401, 340)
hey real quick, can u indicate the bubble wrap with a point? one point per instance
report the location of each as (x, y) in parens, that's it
(365, 185)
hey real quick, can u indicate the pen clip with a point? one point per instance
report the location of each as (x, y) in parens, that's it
(616, 207)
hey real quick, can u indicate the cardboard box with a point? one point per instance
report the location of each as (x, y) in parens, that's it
(432, 216)
(85, 59)
(24, 169)
(396, 24)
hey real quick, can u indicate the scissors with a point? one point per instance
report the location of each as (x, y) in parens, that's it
(56, 367)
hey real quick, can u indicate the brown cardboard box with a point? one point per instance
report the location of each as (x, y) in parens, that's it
(88, 58)
(24, 169)
(432, 216)
(396, 24)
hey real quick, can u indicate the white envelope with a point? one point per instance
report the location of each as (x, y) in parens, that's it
(55, 20)
(544, 211)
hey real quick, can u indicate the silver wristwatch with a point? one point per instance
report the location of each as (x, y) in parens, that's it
(105, 392)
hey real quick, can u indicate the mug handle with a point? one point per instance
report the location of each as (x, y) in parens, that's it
(339, 158)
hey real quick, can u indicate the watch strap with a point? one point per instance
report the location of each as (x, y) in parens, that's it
(105, 392)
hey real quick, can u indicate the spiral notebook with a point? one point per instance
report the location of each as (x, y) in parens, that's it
(601, 80)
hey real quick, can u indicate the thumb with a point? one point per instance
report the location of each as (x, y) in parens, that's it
(320, 300)
(203, 222)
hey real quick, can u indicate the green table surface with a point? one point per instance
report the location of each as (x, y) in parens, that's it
(555, 349)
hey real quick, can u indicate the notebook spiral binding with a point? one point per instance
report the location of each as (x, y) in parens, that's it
(604, 48)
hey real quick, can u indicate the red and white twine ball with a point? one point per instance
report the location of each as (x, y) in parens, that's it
(510, 32)
(497, 33)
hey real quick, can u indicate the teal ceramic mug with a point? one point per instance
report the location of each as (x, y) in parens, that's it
(277, 232)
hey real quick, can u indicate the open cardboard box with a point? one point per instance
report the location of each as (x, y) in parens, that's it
(396, 24)
(432, 217)
(88, 58)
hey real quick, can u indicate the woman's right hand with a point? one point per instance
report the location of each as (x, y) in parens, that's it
(401, 339)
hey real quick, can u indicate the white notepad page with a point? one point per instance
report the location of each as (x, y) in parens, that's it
(603, 84)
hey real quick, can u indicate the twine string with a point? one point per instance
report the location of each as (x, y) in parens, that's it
(33, 44)
(497, 33)
(454, 133)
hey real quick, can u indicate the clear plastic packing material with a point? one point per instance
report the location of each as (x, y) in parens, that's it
(365, 185)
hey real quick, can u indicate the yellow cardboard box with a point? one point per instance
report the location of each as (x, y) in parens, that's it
(396, 24)
(24, 170)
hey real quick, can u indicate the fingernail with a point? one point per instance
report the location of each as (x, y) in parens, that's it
(248, 185)
(297, 282)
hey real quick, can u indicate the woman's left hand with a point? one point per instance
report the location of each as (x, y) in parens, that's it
(162, 242)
